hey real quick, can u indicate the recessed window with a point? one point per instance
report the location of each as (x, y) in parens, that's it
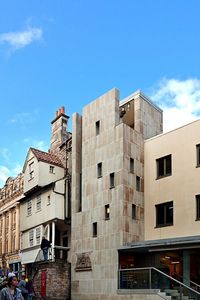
(29, 207)
(198, 154)
(164, 214)
(107, 212)
(197, 207)
(164, 166)
(133, 211)
(51, 169)
(38, 203)
(48, 200)
(31, 170)
(94, 229)
(99, 170)
(31, 236)
(131, 165)
(97, 127)
(112, 180)
(138, 183)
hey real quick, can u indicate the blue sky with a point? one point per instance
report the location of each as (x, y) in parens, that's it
(67, 53)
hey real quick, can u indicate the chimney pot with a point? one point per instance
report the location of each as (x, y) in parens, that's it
(62, 109)
(59, 111)
(56, 113)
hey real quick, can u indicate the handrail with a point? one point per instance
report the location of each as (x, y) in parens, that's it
(196, 284)
(157, 270)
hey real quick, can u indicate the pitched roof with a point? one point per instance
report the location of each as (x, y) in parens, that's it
(47, 157)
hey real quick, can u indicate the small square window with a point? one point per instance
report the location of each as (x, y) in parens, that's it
(164, 166)
(131, 165)
(99, 170)
(51, 169)
(133, 211)
(94, 228)
(112, 180)
(138, 184)
(164, 214)
(97, 127)
(107, 212)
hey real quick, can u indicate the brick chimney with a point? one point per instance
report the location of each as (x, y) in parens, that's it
(58, 129)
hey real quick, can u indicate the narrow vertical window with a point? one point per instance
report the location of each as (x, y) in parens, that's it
(197, 207)
(31, 170)
(38, 203)
(52, 169)
(112, 180)
(198, 154)
(99, 170)
(38, 235)
(131, 165)
(31, 235)
(97, 127)
(107, 212)
(94, 229)
(48, 200)
(138, 183)
(133, 211)
(80, 193)
(29, 208)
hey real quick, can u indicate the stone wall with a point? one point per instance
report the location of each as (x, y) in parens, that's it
(57, 281)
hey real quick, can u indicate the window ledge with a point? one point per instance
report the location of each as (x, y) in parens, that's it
(163, 225)
(163, 176)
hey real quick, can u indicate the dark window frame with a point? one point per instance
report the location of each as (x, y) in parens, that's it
(198, 155)
(97, 127)
(131, 165)
(112, 180)
(107, 212)
(94, 229)
(164, 166)
(99, 170)
(134, 212)
(165, 214)
(197, 207)
(138, 183)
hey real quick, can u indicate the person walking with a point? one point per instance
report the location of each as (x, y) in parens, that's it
(23, 287)
(45, 245)
(11, 291)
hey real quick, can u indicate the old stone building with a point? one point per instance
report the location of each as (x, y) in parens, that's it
(10, 196)
(108, 188)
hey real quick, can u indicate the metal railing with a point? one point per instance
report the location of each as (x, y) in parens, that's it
(152, 278)
(56, 252)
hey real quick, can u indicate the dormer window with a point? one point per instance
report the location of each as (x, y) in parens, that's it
(31, 170)
(51, 169)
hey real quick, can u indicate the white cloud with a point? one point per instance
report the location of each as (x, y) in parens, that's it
(180, 101)
(5, 172)
(41, 145)
(21, 39)
(5, 153)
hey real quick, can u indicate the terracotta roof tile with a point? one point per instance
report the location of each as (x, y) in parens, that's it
(47, 157)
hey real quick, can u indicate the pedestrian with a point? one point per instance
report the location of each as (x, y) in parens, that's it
(23, 287)
(30, 288)
(45, 245)
(11, 291)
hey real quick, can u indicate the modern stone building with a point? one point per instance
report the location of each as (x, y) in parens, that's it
(108, 188)
(10, 196)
